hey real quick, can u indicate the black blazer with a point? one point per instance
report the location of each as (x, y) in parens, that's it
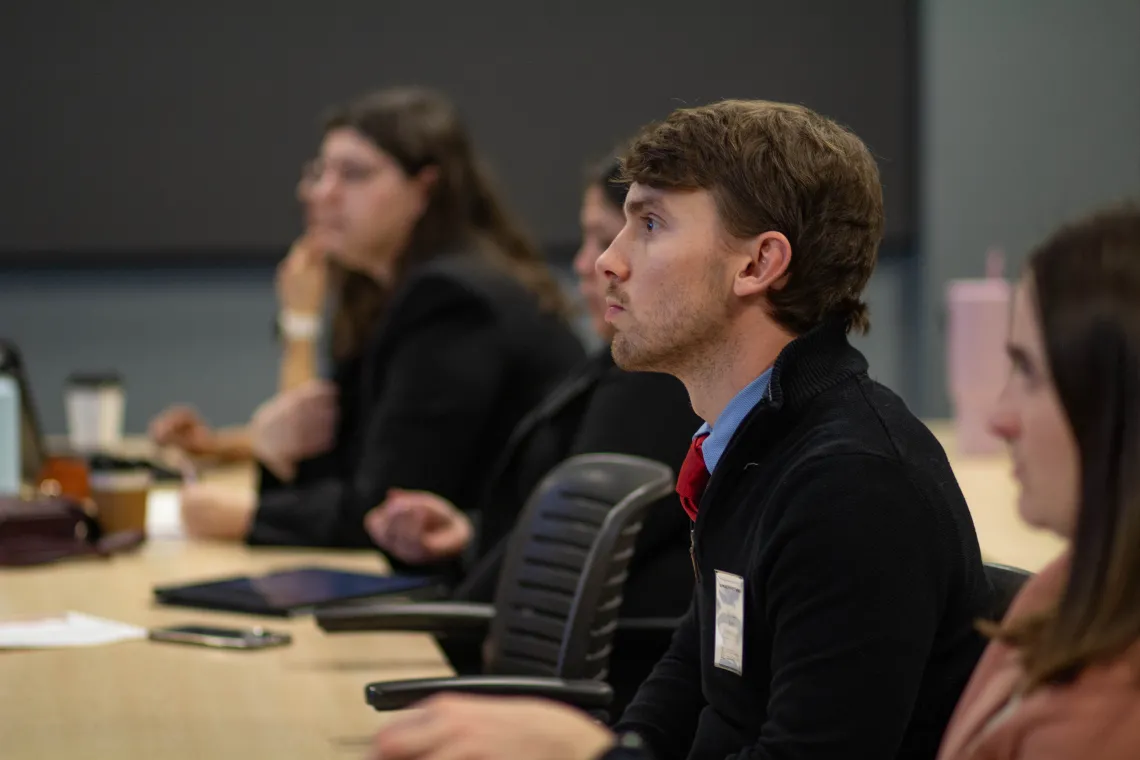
(599, 408)
(462, 353)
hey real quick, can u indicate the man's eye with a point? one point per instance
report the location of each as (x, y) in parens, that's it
(650, 224)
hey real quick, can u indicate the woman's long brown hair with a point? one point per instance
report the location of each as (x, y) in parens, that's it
(1086, 283)
(421, 128)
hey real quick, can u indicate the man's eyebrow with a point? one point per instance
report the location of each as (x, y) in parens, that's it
(639, 205)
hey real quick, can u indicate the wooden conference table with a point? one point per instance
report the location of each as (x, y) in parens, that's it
(141, 699)
(991, 492)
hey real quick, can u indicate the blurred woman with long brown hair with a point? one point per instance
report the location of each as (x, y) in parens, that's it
(1061, 678)
(449, 327)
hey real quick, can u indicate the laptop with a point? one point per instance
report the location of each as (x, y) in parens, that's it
(34, 450)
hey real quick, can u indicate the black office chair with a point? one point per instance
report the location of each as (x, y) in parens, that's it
(1006, 582)
(552, 623)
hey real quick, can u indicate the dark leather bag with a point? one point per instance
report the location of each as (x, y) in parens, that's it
(49, 529)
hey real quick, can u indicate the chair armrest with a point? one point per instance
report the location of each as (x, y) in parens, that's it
(582, 693)
(430, 617)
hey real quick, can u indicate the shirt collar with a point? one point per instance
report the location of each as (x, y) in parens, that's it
(721, 432)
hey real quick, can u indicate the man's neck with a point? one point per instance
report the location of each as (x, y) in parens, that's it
(726, 369)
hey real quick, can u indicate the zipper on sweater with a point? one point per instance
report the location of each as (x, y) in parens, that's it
(693, 550)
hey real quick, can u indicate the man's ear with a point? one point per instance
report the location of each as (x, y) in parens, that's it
(766, 261)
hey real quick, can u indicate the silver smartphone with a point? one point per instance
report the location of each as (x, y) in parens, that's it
(221, 638)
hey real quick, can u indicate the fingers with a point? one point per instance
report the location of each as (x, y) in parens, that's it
(171, 422)
(421, 535)
(430, 732)
(418, 526)
(449, 540)
(395, 529)
(375, 525)
(303, 259)
(416, 736)
(408, 531)
(433, 505)
(316, 432)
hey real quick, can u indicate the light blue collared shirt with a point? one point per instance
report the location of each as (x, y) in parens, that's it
(729, 420)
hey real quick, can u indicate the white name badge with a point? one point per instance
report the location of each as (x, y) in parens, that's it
(728, 644)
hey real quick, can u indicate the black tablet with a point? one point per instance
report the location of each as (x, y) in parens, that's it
(290, 592)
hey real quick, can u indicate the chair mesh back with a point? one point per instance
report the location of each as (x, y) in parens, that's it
(1006, 581)
(560, 588)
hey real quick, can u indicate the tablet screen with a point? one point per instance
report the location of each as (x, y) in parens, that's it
(287, 591)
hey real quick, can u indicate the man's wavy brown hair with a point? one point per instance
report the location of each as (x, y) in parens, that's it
(784, 168)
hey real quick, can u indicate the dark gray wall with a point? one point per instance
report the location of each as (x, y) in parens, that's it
(1030, 114)
(144, 125)
(148, 127)
(203, 337)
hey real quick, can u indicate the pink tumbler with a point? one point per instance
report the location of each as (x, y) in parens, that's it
(976, 362)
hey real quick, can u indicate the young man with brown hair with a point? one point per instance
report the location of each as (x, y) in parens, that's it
(838, 572)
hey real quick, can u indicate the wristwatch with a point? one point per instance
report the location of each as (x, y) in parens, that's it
(627, 746)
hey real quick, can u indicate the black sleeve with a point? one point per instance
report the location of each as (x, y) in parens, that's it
(642, 413)
(853, 596)
(668, 705)
(440, 387)
(648, 414)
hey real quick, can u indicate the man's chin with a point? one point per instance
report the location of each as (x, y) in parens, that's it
(627, 355)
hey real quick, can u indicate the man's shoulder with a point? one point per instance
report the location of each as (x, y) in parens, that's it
(856, 445)
(863, 418)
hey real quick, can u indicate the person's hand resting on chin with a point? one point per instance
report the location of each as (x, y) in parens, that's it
(491, 728)
(418, 527)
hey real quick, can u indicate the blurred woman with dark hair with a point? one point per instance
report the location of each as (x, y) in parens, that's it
(1061, 678)
(449, 327)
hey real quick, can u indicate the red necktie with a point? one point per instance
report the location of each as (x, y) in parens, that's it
(693, 478)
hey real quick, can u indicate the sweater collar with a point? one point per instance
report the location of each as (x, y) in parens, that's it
(812, 363)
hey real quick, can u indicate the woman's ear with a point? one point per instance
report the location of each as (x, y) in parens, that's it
(426, 179)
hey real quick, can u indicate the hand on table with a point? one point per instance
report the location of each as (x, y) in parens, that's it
(182, 427)
(491, 728)
(216, 511)
(418, 527)
(294, 425)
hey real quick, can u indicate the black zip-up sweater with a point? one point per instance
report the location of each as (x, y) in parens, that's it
(862, 580)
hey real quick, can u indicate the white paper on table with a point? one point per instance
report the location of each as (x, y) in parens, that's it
(71, 629)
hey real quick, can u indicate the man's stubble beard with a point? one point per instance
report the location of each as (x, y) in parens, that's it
(686, 334)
